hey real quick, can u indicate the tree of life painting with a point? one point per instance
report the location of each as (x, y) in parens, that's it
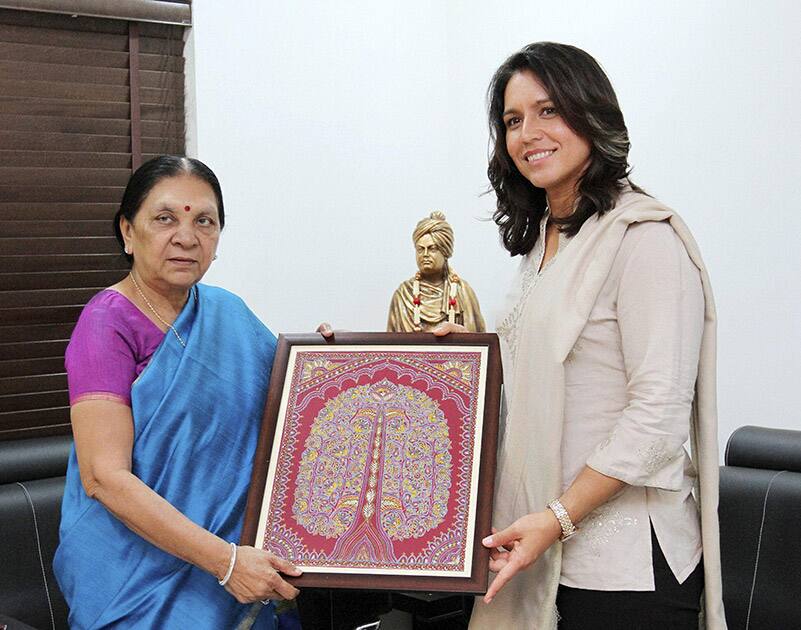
(374, 465)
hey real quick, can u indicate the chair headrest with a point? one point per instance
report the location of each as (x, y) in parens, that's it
(36, 458)
(760, 447)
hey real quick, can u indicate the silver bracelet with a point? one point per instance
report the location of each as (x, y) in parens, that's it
(231, 564)
(568, 529)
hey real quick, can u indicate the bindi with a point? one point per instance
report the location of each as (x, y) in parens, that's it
(187, 208)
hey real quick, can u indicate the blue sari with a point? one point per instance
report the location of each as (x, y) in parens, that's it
(197, 413)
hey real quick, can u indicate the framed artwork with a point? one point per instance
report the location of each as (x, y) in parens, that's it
(376, 461)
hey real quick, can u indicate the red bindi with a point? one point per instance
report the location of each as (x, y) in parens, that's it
(187, 208)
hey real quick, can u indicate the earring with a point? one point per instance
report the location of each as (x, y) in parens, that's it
(127, 250)
(214, 257)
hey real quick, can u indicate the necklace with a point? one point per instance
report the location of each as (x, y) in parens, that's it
(453, 288)
(155, 312)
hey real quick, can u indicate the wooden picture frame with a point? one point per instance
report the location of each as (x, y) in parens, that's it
(375, 465)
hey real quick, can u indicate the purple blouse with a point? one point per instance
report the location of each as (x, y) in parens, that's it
(110, 346)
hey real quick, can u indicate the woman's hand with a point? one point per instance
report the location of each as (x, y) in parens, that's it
(444, 328)
(518, 546)
(256, 576)
(103, 433)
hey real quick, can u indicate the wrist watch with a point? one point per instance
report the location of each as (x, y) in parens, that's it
(568, 529)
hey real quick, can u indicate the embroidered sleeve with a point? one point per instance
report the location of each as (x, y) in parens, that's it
(660, 309)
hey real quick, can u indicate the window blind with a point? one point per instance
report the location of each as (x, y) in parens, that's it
(82, 102)
(163, 11)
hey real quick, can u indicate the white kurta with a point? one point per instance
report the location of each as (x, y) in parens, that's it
(600, 363)
(629, 386)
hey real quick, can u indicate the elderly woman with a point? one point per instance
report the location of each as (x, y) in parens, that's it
(167, 380)
(608, 343)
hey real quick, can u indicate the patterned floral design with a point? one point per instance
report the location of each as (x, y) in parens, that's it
(655, 454)
(383, 451)
(403, 431)
(603, 524)
(509, 328)
(457, 369)
(329, 481)
(313, 369)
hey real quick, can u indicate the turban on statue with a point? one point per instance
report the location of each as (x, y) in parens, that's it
(439, 229)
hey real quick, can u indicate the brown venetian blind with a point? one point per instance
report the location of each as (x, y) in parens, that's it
(74, 114)
(160, 11)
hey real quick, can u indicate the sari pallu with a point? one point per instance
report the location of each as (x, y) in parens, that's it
(197, 413)
(529, 462)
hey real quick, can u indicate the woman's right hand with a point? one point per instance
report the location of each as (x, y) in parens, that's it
(519, 546)
(445, 328)
(256, 576)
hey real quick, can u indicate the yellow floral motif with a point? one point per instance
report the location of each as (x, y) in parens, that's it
(318, 367)
(457, 369)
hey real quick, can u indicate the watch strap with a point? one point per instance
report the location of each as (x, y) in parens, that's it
(568, 529)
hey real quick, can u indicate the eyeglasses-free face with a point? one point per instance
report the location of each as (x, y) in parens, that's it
(545, 150)
(173, 246)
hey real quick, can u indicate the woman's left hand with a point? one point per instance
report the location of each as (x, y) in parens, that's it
(518, 547)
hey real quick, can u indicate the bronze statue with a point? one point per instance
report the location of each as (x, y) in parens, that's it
(435, 293)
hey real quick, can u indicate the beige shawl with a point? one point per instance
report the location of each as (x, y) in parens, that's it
(529, 462)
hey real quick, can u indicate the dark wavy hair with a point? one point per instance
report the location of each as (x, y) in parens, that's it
(585, 100)
(151, 173)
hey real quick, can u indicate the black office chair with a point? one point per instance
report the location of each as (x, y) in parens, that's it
(31, 485)
(760, 529)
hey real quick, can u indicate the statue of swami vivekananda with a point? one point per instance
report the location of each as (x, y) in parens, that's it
(435, 293)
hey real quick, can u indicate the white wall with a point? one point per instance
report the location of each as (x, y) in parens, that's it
(335, 126)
